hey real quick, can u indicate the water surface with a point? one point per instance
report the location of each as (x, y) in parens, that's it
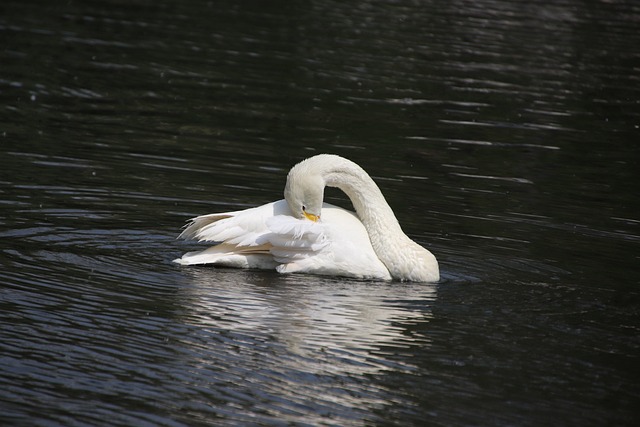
(504, 136)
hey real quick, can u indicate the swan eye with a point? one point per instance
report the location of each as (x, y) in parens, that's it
(304, 208)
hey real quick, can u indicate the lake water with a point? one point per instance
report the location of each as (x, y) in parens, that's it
(505, 135)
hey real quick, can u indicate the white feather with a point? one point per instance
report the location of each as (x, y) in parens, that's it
(369, 244)
(268, 236)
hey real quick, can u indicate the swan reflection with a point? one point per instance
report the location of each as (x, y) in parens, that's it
(319, 324)
(299, 348)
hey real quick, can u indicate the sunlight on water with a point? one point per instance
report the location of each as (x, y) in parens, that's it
(321, 317)
(502, 134)
(306, 339)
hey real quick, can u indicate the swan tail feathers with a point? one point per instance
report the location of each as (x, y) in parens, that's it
(224, 255)
(195, 227)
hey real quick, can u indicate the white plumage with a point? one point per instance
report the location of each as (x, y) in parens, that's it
(301, 234)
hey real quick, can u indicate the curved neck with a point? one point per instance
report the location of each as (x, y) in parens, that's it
(405, 259)
(367, 199)
(370, 205)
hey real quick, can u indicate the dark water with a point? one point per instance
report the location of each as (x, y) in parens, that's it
(505, 135)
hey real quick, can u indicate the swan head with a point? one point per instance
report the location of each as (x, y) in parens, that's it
(304, 193)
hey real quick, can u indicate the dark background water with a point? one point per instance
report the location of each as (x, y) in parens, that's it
(504, 134)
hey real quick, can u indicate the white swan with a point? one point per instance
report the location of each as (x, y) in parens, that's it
(301, 234)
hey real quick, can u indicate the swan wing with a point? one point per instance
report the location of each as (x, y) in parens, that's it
(240, 237)
(240, 228)
(269, 237)
(337, 245)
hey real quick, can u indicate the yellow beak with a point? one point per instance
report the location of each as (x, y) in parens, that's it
(312, 217)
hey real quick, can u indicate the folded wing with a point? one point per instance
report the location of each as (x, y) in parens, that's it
(268, 236)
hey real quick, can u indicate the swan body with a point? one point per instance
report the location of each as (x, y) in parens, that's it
(269, 237)
(301, 234)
